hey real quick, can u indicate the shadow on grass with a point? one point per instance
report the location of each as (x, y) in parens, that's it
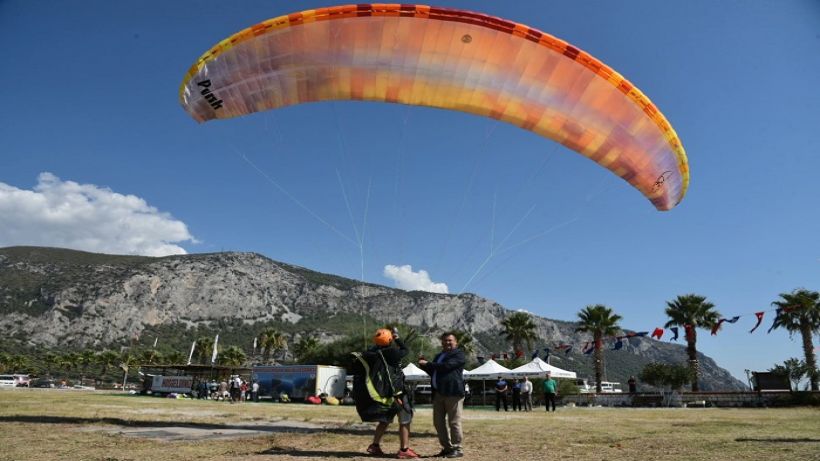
(281, 425)
(777, 440)
(283, 451)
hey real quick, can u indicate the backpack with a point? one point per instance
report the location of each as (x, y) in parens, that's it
(376, 386)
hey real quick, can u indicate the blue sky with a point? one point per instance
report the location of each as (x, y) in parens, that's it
(97, 154)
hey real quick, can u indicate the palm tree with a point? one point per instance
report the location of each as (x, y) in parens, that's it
(204, 349)
(692, 312)
(174, 358)
(306, 347)
(465, 342)
(519, 329)
(272, 341)
(149, 357)
(69, 362)
(87, 357)
(232, 356)
(799, 311)
(600, 321)
(107, 359)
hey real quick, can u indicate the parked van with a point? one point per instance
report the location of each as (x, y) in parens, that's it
(587, 387)
(7, 381)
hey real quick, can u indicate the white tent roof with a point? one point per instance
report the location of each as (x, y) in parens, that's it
(414, 373)
(539, 368)
(490, 369)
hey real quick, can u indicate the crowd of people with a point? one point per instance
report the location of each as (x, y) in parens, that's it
(520, 392)
(234, 389)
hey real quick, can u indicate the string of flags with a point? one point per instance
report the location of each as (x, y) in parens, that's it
(589, 346)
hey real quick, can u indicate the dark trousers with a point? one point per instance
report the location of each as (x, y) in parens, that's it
(549, 397)
(516, 401)
(500, 397)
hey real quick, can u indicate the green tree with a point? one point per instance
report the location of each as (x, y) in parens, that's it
(232, 356)
(305, 348)
(174, 358)
(519, 329)
(17, 363)
(272, 341)
(599, 321)
(800, 312)
(661, 375)
(204, 349)
(465, 342)
(692, 312)
(149, 357)
(87, 358)
(794, 369)
(107, 359)
(4, 361)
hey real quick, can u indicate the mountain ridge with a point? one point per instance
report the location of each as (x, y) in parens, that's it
(54, 297)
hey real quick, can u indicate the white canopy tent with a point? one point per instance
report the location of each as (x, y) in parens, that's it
(489, 370)
(539, 369)
(413, 373)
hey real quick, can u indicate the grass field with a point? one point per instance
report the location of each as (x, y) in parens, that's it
(43, 424)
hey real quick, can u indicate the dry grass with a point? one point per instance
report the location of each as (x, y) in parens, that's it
(78, 425)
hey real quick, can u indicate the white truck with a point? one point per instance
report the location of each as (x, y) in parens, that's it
(159, 384)
(300, 381)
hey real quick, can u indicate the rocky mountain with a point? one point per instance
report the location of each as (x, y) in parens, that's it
(70, 299)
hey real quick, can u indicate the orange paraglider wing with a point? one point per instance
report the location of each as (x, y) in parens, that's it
(451, 59)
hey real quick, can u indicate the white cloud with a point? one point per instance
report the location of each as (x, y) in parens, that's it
(86, 217)
(406, 279)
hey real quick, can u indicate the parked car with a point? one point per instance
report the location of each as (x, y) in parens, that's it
(43, 383)
(7, 381)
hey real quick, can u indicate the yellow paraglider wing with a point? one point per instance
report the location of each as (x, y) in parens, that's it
(451, 59)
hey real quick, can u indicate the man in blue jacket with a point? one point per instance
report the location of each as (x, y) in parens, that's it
(447, 380)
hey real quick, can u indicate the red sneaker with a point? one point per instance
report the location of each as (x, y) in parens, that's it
(409, 454)
(374, 449)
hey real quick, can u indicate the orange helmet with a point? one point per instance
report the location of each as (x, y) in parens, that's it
(382, 337)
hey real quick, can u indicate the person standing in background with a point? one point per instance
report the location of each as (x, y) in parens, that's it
(550, 391)
(526, 394)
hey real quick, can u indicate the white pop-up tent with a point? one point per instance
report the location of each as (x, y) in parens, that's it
(539, 369)
(489, 370)
(413, 373)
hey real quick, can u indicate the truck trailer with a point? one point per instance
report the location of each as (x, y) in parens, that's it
(300, 381)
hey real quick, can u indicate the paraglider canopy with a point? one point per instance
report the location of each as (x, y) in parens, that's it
(451, 59)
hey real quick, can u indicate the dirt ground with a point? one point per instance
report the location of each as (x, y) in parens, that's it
(87, 425)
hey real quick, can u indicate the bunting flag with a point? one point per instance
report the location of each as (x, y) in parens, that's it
(657, 333)
(689, 329)
(759, 316)
(716, 326)
(633, 334)
(588, 347)
(519, 354)
(569, 349)
(618, 344)
(733, 319)
(494, 356)
(778, 311)
(674, 332)
(534, 355)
